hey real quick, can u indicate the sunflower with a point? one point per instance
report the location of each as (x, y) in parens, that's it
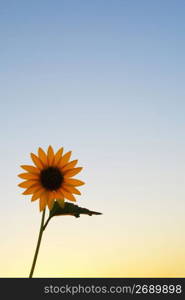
(50, 179)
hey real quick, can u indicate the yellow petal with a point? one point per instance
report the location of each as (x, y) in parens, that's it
(50, 200)
(54, 194)
(58, 156)
(68, 196)
(74, 182)
(59, 194)
(64, 160)
(73, 172)
(42, 156)
(32, 189)
(36, 195)
(71, 189)
(43, 202)
(27, 183)
(31, 169)
(51, 156)
(37, 161)
(70, 165)
(50, 204)
(28, 176)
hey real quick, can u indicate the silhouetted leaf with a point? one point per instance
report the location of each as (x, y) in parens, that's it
(71, 210)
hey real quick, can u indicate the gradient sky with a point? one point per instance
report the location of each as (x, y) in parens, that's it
(104, 79)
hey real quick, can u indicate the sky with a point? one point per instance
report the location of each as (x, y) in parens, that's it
(104, 79)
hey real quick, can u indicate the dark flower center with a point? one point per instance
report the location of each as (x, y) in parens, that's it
(51, 178)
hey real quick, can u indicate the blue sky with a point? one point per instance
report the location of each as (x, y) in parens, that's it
(106, 80)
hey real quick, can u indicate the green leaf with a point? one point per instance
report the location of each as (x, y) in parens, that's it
(71, 210)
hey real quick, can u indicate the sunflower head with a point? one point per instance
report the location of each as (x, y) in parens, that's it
(50, 179)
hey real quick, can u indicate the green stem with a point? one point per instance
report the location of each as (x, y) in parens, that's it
(38, 244)
(44, 226)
